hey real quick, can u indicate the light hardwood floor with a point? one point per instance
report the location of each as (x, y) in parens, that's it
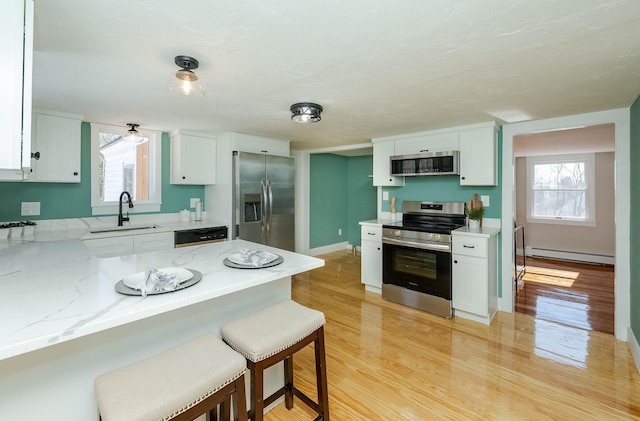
(386, 361)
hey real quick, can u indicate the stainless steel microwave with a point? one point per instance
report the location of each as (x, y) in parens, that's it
(428, 163)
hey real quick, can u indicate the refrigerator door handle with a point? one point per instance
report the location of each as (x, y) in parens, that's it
(270, 215)
(263, 200)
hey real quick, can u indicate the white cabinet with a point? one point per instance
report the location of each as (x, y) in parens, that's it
(257, 144)
(152, 242)
(478, 157)
(193, 158)
(111, 246)
(129, 244)
(56, 148)
(427, 143)
(382, 152)
(371, 257)
(475, 275)
(16, 50)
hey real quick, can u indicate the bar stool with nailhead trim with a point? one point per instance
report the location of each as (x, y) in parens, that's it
(181, 383)
(275, 334)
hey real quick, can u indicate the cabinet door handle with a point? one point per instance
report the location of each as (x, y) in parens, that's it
(424, 150)
(378, 248)
(75, 173)
(468, 247)
(35, 155)
(462, 178)
(455, 261)
(371, 233)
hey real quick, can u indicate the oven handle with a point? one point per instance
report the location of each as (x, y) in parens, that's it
(424, 246)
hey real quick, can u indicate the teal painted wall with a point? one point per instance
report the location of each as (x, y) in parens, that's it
(362, 195)
(341, 195)
(634, 224)
(73, 200)
(328, 197)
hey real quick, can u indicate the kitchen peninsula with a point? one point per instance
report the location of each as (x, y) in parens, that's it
(63, 323)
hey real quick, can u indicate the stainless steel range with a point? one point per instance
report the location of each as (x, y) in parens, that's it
(416, 255)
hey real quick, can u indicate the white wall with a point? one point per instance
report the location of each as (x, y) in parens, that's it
(598, 240)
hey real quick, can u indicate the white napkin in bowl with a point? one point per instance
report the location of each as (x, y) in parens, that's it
(255, 258)
(157, 280)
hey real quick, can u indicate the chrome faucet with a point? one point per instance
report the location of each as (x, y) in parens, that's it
(121, 218)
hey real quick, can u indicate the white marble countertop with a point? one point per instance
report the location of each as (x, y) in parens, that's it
(484, 231)
(56, 291)
(380, 222)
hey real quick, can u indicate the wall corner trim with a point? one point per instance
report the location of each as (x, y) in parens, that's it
(634, 347)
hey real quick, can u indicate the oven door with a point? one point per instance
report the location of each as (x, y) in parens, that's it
(417, 269)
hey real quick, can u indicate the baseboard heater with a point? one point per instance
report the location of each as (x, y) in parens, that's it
(570, 255)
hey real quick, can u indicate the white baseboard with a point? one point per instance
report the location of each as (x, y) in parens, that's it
(569, 255)
(329, 249)
(634, 347)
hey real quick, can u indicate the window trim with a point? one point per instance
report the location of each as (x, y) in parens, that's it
(155, 172)
(590, 191)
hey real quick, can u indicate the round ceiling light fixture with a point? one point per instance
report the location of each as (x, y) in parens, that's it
(185, 81)
(306, 112)
(134, 135)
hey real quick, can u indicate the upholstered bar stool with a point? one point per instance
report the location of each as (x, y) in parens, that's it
(181, 383)
(275, 334)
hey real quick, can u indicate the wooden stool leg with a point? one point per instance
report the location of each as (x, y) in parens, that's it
(212, 415)
(288, 382)
(225, 409)
(257, 391)
(240, 411)
(321, 375)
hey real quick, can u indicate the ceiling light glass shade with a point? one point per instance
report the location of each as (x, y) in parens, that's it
(133, 135)
(185, 81)
(306, 112)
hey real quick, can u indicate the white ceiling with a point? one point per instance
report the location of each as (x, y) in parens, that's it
(378, 68)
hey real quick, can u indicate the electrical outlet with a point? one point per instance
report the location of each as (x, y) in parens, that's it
(485, 201)
(339, 231)
(193, 202)
(385, 195)
(30, 208)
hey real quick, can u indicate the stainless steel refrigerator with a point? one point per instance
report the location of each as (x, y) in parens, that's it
(263, 194)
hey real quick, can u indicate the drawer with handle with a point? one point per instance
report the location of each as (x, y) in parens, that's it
(371, 233)
(469, 246)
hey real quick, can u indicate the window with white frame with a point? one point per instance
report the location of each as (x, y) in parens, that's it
(120, 163)
(561, 189)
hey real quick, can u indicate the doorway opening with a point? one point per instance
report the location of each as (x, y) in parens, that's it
(564, 219)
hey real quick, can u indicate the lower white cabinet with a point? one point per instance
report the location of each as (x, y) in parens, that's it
(475, 274)
(153, 242)
(129, 244)
(371, 257)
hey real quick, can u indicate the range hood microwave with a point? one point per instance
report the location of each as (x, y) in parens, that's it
(427, 163)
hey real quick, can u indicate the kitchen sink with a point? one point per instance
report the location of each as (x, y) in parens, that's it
(120, 229)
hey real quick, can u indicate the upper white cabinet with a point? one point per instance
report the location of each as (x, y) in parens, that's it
(382, 152)
(56, 145)
(16, 50)
(427, 143)
(193, 158)
(478, 157)
(257, 144)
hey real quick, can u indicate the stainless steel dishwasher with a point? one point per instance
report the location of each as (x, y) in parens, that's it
(198, 236)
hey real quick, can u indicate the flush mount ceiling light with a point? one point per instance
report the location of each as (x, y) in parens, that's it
(185, 81)
(134, 135)
(306, 112)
